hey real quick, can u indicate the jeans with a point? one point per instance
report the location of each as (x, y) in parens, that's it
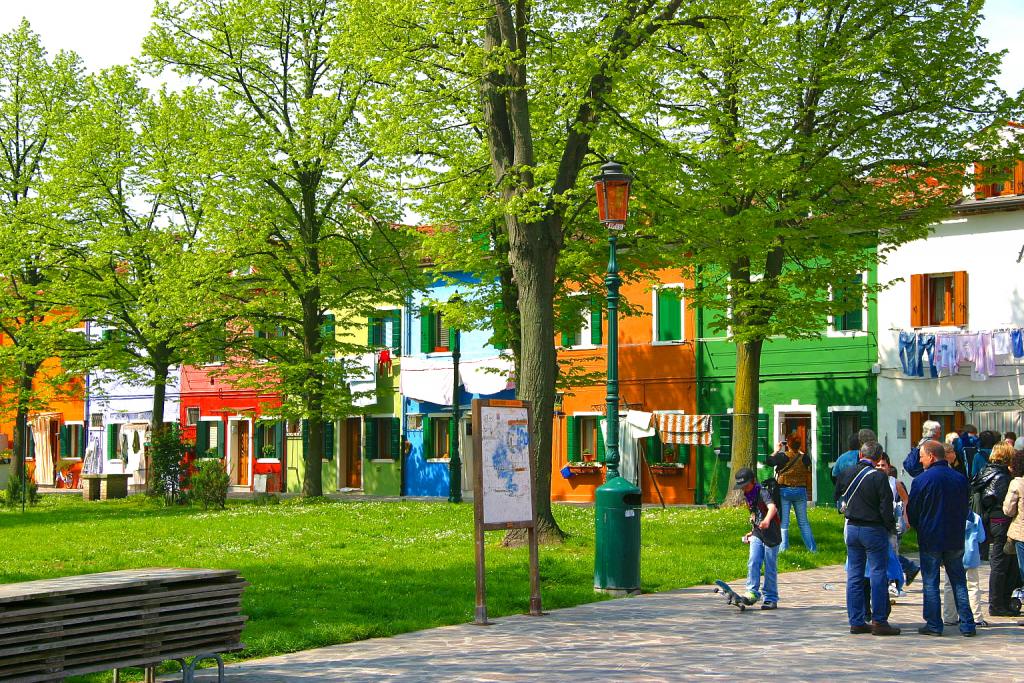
(866, 545)
(909, 357)
(1019, 545)
(926, 344)
(953, 562)
(908, 565)
(796, 497)
(769, 557)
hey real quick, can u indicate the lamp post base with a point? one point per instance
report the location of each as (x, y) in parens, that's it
(618, 592)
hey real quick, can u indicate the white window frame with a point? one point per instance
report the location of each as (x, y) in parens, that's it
(583, 331)
(833, 332)
(682, 315)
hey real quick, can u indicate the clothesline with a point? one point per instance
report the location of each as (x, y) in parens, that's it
(948, 351)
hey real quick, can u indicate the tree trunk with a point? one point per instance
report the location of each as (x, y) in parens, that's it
(156, 421)
(25, 387)
(533, 256)
(746, 403)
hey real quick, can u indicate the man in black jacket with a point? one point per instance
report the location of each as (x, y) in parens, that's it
(870, 521)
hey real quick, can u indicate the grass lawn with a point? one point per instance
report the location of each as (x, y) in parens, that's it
(325, 572)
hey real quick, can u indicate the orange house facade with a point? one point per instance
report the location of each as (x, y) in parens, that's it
(657, 377)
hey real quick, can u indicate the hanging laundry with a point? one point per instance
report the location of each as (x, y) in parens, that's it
(909, 358)
(684, 429)
(947, 360)
(1017, 343)
(1001, 345)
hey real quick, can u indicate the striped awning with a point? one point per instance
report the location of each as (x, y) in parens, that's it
(684, 429)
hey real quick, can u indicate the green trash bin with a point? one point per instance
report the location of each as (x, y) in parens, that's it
(617, 538)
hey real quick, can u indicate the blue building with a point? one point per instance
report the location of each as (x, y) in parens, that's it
(427, 385)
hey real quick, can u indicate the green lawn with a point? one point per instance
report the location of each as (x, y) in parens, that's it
(326, 572)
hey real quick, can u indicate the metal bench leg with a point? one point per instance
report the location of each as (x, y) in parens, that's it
(188, 673)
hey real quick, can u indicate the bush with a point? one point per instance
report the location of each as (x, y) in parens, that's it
(12, 495)
(165, 454)
(210, 484)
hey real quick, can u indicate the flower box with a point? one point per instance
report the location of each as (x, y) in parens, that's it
(580, 468)
(667, 469)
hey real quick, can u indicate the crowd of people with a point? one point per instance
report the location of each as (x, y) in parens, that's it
(965, 503)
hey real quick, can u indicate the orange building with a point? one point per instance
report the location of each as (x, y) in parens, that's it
(56, 426)
(657, 375)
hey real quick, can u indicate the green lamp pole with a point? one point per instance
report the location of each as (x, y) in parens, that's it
(455, 460)
(617, 501)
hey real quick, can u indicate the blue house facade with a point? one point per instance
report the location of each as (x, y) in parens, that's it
(427, 388)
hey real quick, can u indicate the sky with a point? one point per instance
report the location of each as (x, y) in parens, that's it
(107, 32)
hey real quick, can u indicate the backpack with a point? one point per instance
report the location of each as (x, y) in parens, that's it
(771, 485)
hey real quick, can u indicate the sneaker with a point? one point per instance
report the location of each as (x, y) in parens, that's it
(925, 631)
(883, 629)
(863, 628)
(751, 597)
(893, 590)
(980, 622)
(969, 634)
(911, 575)
(769, 605)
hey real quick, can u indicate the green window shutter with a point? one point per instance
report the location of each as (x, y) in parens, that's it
(258, 434)
(725, 436)
(202, 438)
(600, 441)
(396, 438)
(83, 440)
(372, 439)
(670, 314)
(853, 320)
(111, 442)
(259, 333)
(867, 420)
(396, 331)
(280, 439)
(305, 437)
(65, 441)
(653, 449)
(220, 438)
(595, 321)
(327, 329)
(567, 338)
(572, 439)
(827, 429)
(428, 437)
(763, 437)
(426, 330)
(328, 439)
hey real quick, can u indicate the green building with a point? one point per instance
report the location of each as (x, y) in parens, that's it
(823, 389)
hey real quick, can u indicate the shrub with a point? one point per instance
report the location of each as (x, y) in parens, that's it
(166, 453)
(210, 484)
(12, 495)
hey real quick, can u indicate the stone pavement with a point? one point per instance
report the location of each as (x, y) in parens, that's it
(689, 634)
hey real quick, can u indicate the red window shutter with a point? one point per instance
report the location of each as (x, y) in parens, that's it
(918, 300)
(980, 189)
(960, 298)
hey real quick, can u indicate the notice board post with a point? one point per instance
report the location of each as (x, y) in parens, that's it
(503, 486)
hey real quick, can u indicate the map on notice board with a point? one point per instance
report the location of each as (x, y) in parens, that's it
(505, 464)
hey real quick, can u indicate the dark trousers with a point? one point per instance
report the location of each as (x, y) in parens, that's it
(1001, 579)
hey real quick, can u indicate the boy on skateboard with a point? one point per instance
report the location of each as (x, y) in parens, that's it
(764, 538)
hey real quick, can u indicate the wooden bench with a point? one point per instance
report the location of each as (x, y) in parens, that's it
(76, 625)
(104, 486)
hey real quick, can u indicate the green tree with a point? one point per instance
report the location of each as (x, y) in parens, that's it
(134, 183)
(500, 108)
(36, 96)
(306, 220)
(797, 141)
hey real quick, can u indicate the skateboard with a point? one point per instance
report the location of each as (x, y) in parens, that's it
(732, 597)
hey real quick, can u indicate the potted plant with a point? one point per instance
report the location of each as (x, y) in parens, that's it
(269, 452)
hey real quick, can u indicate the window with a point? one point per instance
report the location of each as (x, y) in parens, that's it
(435, 437)
(96, 421)
(71, 439)
(853, 319)
(669, 313)
(589, 333)
(950, 421)
(269, 440)
(998, 180)
(584, 440)
(382, 439)
(191, 416)
(938, 299)
(210, 439)
(435, 336)
(385, 329)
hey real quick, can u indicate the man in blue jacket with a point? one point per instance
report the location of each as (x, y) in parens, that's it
(938, 510)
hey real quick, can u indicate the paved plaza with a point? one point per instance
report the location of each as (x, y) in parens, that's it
(688, 634)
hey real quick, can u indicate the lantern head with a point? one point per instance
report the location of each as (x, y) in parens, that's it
(612, 187)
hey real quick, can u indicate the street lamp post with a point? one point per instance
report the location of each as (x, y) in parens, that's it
(617, 501)
(455, 461)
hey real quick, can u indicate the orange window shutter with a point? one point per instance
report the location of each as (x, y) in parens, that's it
(980, 189)
(960, 296)
(918, 300)
(1018, 177)
(959, 420)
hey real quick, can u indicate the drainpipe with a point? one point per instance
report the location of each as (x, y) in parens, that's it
(698, 347)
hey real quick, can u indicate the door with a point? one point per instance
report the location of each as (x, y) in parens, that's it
(797, 427)
(238, 451)
(353, 453)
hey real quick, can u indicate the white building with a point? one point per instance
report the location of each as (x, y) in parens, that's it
(963, 282)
